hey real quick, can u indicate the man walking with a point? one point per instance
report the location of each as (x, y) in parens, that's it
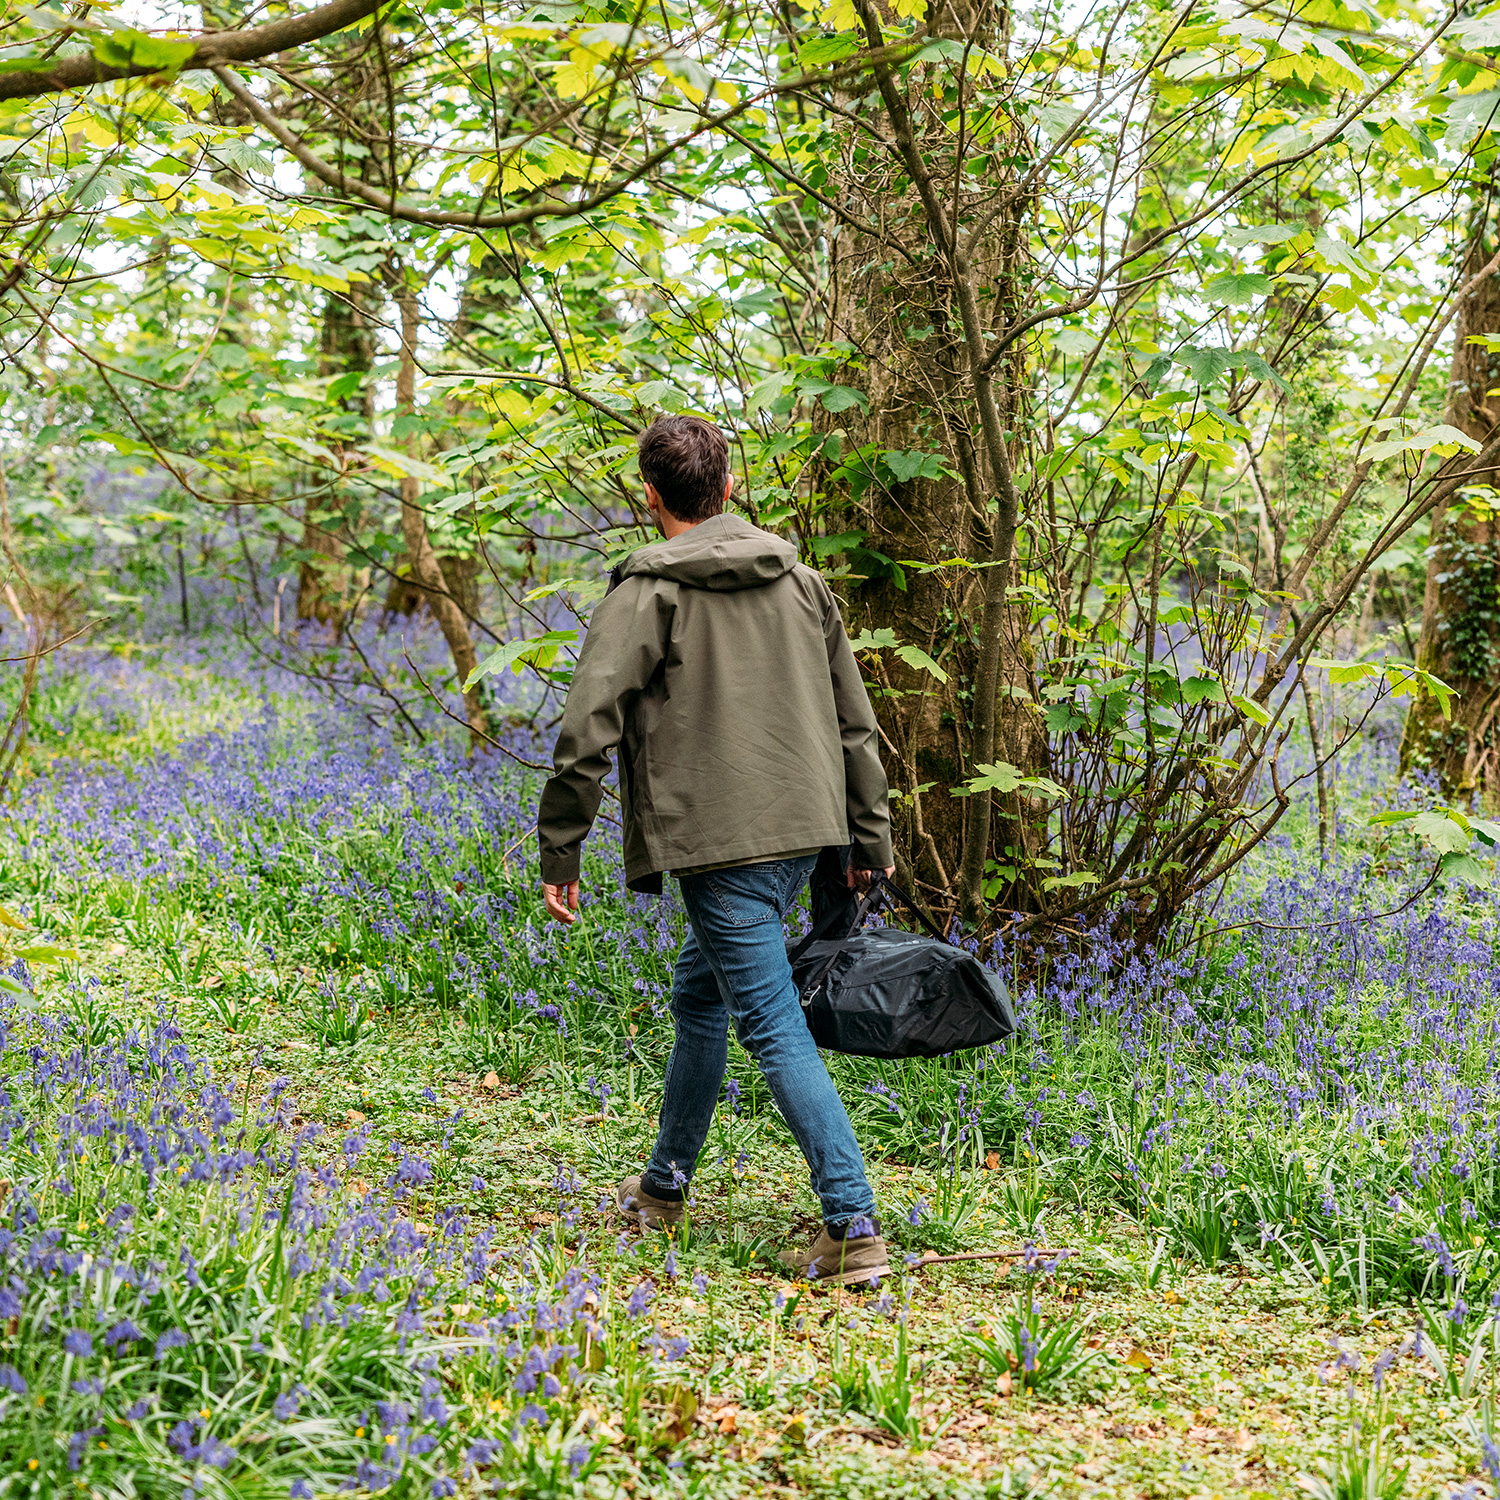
(718, 667)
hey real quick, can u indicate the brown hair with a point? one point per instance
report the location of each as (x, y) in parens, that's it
(686, 461)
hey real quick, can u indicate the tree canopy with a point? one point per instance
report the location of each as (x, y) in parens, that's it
(1099, 356)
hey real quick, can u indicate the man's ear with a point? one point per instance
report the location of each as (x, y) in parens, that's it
(728, 489)
(653, 500)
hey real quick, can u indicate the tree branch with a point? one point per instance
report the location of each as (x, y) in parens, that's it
(82, 70)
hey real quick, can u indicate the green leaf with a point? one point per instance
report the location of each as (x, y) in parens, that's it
(1443, 830)
(914, 656)
(887, 640)
(1470, 115)
(343, 386)
(539, 652)
(1258, 369)
(1081, 877)
(1156, 371)
(826, 50)
(1344, 671)
(826, 546)
(1441, 439)
(841, 397)
(907, 466)
(1262, 234)
(1250, 708)
(134, 49)
(1236, 288)
(1413, 682)
(1005, 778)
(1463, 866)
(1205, 365)
(46, 953)
(1202, 689)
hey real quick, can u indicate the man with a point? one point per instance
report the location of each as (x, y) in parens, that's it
(718, 666)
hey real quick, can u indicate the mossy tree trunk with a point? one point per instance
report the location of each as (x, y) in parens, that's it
(1460, 639)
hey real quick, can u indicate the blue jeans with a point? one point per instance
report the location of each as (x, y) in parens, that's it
(734, 966)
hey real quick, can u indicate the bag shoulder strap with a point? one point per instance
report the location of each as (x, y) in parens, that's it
(865, 907)
(820, 930)
(911, 904)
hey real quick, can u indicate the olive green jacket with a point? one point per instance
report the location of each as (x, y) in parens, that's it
(718, 667)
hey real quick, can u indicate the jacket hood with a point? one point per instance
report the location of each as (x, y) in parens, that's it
(724, 553)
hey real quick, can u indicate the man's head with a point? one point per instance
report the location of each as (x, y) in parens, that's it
(685, 465)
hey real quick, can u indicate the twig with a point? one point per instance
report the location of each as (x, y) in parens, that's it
(1044, 1253)
(533, 765)
(1374, 916)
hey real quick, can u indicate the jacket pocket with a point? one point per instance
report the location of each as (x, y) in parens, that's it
(751, 893)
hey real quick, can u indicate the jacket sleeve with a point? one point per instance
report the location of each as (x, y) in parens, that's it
(866, 792)
(627, 640)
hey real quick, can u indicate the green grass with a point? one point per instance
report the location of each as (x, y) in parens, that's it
(1172, 1353)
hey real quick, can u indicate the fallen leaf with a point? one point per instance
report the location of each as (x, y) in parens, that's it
(1202, 1434)
(728, 1420)
(490, 1081)
(1208, 1413)
(1171, 1298)
(991, 1161)
(355, 1117)
(1140, 1359)
(1243, 1440)
(1003, 1384)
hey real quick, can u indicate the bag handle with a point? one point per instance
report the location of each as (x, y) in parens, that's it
(882, 888)
(916, 911)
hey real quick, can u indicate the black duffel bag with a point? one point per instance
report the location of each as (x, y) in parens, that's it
(882, 992)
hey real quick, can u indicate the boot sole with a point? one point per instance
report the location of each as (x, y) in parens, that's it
(840, 1278)
(646, 1218)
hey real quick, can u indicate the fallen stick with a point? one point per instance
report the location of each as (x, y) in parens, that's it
(943, 1260)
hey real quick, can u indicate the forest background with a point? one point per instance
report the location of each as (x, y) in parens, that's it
(1120, 368)
(1130, 373)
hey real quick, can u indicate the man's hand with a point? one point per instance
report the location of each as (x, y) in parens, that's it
(562, 901)
(860, 880)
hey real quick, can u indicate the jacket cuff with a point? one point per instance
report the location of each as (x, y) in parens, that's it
(872, 856)
(560, 867)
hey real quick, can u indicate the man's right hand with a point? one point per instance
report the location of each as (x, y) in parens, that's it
(562, 901)
(861, 880)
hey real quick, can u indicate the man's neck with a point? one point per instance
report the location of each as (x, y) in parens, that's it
(671, 527)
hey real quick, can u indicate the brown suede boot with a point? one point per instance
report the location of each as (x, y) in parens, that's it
(840, 1262)
(635, 1202)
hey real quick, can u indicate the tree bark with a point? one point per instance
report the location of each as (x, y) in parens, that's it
(426, 571)
(910, 301)
(344, 347)
(1460, 637)
(215, 47)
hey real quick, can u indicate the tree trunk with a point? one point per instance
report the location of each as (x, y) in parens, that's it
(426, 571)
(925, 568)
(1460, 639)
(344, 347)
(460, 576)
